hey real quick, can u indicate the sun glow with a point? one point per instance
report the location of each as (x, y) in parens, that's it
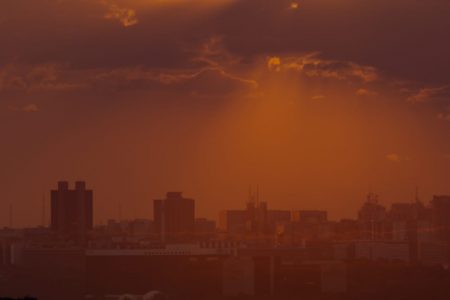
(294, 6)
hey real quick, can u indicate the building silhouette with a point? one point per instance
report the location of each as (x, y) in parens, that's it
(256, 219)
(310, 216)
(372, 219)
(204, 226)
(277, 218)
(232, 221)
(256, 216)
(72, 210)
(174, 217)
(441, 212)
(311, 224)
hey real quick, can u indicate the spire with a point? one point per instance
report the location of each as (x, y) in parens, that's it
(119, 210)
(11, 220)
(417, 195)
(257, 194)
(43, 211)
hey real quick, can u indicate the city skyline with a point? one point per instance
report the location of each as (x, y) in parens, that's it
(313, 100)
(48, 209)
(255, 251)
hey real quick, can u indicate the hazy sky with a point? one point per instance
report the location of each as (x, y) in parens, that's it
(317, 101)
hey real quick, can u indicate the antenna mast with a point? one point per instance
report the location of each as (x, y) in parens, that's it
(44, 223)
(257, 194)
(417, 194)
(250, 194)
(11, 223)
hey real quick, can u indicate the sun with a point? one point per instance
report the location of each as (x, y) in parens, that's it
(294, 6)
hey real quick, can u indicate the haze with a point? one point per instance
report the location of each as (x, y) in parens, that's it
(317, 101)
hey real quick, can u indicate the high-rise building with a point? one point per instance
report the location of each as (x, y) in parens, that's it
(256, 219)
(174, 217)
(204, 226)
(310, 216)
(372, 219)
(277, 218)
(440, 217)
(233, 221)
(311, 224)
(72, 210)
(257, 214)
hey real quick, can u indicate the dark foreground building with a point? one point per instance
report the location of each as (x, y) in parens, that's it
(72, 210)
(174, 217)
(196, 272)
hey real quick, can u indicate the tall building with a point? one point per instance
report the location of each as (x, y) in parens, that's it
(311, 224)
(310, 216)
(204, 226)
(440, 217)
(261, 220)
(372, 219)
(278, 218)
(256, 219)
(174, 217)
(72, 210)
(233, 221)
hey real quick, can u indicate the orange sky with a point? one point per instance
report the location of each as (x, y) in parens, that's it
(314, 101)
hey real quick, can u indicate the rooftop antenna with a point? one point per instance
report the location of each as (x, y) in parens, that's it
(11, 223)
(43, 210)
(371, 196)
(257, 194)
(417, 194)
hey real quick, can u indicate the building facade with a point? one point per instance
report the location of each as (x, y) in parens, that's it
(72, 210)
(174, 217)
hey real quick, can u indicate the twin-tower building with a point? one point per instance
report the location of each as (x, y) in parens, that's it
(72, 210)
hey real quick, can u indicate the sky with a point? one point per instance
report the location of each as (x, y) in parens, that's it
(316, 101)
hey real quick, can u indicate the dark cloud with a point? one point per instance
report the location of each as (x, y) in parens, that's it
(404, 38)
(312, 65)
(409, 43)
(44, 77)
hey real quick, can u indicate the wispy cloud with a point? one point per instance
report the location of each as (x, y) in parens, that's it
(426, 94)
(396, 158)
(28, 108)
(205, 80)
(318, 97)
(274, 64)
(42, 77)
(365, 93)
(445, 115)
(126, 16)
(312, 65)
